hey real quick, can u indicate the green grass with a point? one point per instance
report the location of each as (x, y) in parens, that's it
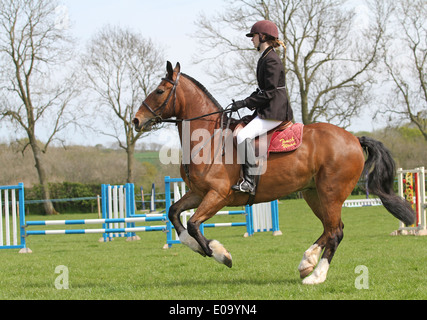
(148, 156)
(264, 267)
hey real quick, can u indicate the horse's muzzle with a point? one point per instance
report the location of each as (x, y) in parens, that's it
(143, 126)
(137, 125)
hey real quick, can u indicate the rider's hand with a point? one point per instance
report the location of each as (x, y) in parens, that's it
(237, 105)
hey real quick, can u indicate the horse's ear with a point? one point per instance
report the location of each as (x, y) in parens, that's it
(169, 70)
(177, 68)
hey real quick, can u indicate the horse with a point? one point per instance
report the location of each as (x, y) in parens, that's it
(325, 169)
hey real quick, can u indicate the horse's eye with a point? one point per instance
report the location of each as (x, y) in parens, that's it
(160, 91)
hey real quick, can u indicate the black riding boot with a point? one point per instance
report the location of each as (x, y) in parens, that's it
(246, 151)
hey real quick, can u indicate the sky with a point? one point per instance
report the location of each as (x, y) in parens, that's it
(169, 23)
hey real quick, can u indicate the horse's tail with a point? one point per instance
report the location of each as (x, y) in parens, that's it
(381, 179)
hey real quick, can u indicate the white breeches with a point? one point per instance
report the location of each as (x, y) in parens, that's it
(256, 128)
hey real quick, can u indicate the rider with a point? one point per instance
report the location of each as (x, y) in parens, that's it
(270, 101)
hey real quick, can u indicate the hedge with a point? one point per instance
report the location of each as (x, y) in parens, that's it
(64, 192)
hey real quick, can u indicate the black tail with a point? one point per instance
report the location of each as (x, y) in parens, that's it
(381, 179)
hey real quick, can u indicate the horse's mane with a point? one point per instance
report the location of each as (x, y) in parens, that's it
(202, 87)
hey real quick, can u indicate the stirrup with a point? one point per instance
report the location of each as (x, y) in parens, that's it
(238, 187)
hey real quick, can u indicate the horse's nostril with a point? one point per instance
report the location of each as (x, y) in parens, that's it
(135, 122)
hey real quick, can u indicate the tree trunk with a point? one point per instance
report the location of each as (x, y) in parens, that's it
(306, 118)
(130, 150)
(50, 210)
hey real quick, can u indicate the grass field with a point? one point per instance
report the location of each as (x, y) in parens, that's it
(264, 267)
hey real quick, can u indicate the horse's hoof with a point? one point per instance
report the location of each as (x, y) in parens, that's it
(305, 273)
(313, 280)
(319, 274)
(220, 254)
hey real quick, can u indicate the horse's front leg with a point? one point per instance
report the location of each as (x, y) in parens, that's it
(210, 205)
(189, 201)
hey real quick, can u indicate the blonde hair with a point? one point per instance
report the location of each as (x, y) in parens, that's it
(280, 43)
(277, 43)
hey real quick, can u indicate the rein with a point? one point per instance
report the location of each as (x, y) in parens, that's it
(197, 118)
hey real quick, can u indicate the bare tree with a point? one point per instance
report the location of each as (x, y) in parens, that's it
(121, 66)
(329, 60)
(35, 93)
(405, 59)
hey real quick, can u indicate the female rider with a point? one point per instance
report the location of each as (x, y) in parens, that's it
(270, 101)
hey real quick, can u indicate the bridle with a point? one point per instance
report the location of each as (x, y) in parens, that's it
(158, 112)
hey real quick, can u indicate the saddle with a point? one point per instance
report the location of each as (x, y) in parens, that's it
(285, 138)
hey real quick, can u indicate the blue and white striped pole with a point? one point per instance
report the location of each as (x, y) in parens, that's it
(96, 221)
(92, 231)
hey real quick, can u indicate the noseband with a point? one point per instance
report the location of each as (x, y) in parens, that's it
(158, 112)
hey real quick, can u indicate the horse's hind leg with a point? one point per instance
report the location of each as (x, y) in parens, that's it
(189, 201)
(312, 255)
(328, 242)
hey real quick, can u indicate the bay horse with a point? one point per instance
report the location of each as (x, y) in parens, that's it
(325, 168)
